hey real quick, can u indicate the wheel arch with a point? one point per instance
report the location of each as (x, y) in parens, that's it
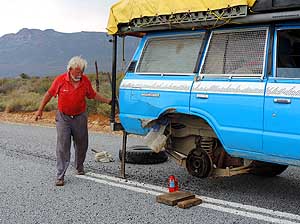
(202, 115)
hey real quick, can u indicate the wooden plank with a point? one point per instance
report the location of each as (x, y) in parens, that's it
(173, 198)
(189, 203)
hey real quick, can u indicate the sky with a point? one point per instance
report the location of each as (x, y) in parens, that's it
(61, 15)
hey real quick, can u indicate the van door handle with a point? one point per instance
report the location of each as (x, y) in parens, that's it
(202, 96)
(151, 94)
(282, 100)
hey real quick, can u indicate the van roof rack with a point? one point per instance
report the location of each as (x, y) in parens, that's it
(182, 19)
(134, 18)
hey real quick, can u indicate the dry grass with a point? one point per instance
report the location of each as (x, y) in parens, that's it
(25, 94)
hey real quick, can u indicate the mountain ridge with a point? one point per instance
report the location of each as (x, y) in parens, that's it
(46, 52)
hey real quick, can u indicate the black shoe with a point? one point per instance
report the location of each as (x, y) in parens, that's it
(59, 183)
(80, 172)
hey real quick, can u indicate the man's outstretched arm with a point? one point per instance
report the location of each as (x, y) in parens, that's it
(38, 114)
(102, 99)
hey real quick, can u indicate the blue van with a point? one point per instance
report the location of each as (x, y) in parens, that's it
(226, 97)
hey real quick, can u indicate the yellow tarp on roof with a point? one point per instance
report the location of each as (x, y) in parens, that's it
(126, 10)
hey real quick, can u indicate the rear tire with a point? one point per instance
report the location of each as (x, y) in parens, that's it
(267, 169)
(139, 154)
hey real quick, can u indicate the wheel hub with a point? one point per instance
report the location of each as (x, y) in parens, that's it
(198, 163)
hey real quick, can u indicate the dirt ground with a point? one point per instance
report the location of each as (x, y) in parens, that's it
(96, 122)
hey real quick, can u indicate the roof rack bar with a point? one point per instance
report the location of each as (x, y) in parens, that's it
(254, 18)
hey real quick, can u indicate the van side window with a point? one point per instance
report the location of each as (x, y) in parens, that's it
(240, 52)
(170, 54)
(288, 53)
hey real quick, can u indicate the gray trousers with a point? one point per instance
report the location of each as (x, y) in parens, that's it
(67, 127)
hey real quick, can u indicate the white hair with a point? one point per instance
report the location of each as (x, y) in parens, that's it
(76, 62)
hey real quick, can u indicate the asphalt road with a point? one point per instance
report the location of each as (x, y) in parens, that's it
(28, 194)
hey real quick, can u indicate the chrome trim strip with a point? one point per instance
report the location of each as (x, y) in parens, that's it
(283, 90)
(225, 87)
(218, 87)
(161, 85)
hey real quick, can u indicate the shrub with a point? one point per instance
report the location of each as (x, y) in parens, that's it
(8, 85)
(2, 106)
(95, 107)
(41, 85)
(24, 76)
(26, 102)
(103, 109)
(52, 105)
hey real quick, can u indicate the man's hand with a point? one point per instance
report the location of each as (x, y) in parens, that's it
(38, 115)
(102, 99)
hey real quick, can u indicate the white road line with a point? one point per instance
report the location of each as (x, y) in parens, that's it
(210, 203)
(247, 214)
(129, 182)
(107, 182)
(252, 208)
(206, 199)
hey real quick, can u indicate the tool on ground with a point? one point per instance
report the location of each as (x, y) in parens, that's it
(179, 198)
(103, 156)
(173, 184)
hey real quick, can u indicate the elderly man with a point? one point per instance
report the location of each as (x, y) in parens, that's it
(71, 88)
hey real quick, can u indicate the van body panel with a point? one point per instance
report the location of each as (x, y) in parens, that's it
(235, 102)
(237, 115)
(263, 157)
(241, 108)
(147, 98)
(146, 95)
(282, 100)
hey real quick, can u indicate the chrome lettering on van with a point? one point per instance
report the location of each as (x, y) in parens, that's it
(162, 85)
(283, 89)
(246, 88)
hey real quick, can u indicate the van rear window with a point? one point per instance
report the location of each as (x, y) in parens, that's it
(170, 54)
(239, 53)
